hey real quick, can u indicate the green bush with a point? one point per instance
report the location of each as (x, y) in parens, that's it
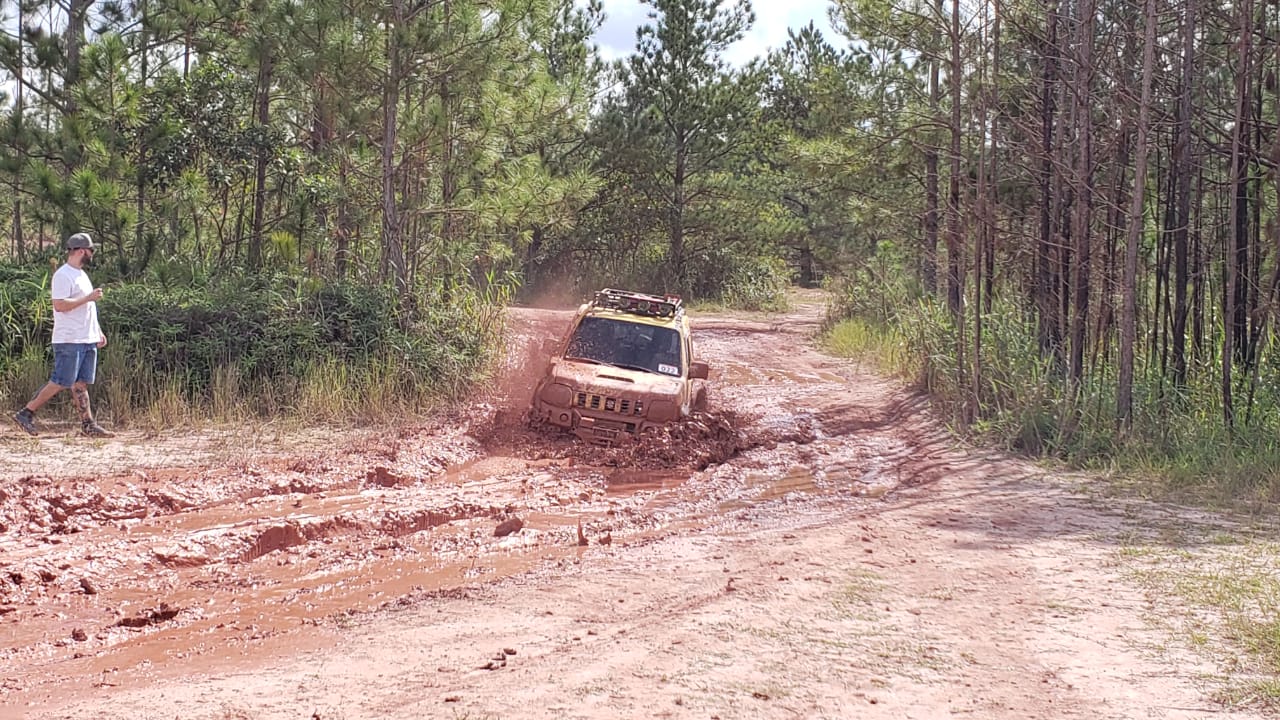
(25, 313)
(757, 284)
(258, 341)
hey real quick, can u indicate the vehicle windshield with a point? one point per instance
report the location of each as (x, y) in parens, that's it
(635, 346)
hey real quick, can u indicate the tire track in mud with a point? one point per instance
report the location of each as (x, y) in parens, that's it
(220, 557)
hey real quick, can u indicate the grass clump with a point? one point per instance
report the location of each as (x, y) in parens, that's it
(1228, 608)
(880, 346)
(757, 284)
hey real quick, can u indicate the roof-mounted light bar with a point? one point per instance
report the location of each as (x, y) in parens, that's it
(639, 303)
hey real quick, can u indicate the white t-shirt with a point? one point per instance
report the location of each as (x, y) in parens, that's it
(81, 324)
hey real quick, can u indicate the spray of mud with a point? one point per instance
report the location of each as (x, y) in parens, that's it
(695, 443)
(501, 425)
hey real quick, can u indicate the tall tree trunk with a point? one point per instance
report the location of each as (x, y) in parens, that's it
(448, 171)
(342, 254)
(73, 42)
(262, 114)
(955, 266)
(675, 221)
(392, 243)
(140, 241)
(19, 129)
(1238, 211)
(981, 225)
(73, 150)
(929, 259)
(1082, 225)
(323, 131)
(955, 241)
(1046, 304)
(1182, 196)
(993, 177)
(1199, 276)
(1129, 312)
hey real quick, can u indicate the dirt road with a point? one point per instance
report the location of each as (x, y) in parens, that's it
(816, 547)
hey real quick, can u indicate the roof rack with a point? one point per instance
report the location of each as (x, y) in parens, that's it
(639, 303)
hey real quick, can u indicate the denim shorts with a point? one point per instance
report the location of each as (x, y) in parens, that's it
(73, 363)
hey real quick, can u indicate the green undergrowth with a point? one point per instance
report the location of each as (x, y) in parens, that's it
(260, 347)
(879, 346)
(1177, 448)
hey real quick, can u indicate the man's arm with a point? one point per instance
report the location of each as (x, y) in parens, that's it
(65, 305)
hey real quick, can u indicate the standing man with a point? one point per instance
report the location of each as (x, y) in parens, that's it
(76, 339)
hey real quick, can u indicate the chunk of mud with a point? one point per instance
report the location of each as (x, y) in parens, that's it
(508, 526)
(383, 477)
(179, 556)
(273, 538)
(164, 613)
(79, 635)
(168, 499)
(87, 585)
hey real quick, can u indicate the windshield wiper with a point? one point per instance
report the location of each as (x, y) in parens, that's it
(620, 366)
(593, 361)
(633, 367)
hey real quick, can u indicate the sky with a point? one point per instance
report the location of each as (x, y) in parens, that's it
(617, 37)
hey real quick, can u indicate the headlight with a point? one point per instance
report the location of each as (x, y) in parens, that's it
(661, 411)
(557, 394)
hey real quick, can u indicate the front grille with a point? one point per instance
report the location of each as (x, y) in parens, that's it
(621, 406)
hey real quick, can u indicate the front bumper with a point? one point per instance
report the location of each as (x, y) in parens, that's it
(601, 428)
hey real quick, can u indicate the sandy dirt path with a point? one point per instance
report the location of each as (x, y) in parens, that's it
(837, 556)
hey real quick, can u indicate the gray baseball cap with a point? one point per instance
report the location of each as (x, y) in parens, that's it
(80, 241)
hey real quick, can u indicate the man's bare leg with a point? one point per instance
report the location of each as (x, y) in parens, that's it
(44, 395)
(26, 417)
(80, 396)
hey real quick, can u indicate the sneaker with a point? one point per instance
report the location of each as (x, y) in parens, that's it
(27, 421)
(93, 429)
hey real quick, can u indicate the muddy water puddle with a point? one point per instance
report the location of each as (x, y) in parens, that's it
(208, 611)
(223, 628)
(631, 482)
(204, 581)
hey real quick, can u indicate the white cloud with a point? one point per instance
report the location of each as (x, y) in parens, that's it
(617, 37)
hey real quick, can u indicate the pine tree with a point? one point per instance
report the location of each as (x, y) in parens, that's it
(691, 113)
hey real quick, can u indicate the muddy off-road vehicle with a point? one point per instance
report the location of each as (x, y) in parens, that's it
(625, 367)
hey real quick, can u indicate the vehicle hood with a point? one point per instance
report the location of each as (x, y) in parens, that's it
(589, 377)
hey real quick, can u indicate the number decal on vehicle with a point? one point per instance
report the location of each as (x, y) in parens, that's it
(668, 369)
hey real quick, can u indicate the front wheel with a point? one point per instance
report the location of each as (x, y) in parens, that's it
(700, 400)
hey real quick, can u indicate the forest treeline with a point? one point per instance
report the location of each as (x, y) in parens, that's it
(1060, 213)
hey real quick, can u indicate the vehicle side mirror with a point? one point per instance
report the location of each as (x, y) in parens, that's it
(698, 370)
(549, 346)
